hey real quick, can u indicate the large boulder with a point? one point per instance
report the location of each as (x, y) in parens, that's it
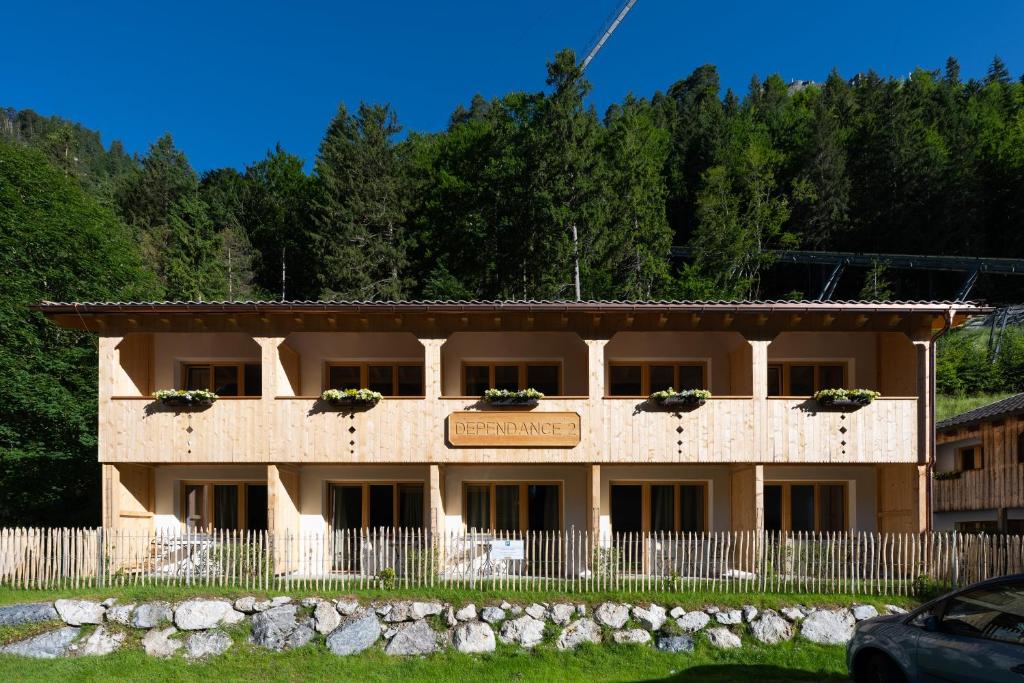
(691, 622)
(611, 615)
(355, 634)
(200, 614)
(828, 627)
(421, 610)
(12, 615)
(651, 617)
(537, 611)
(524, 631)
(102, 642)
(416, 638)
(492, 615)
(207, 644)
(326, 617)
(279, 628)
(246, 604)
(78, 612)
(749, 613)
(157, 642)
(45, 645)
(120, 614)
(577, 633)
(723, 638)
(674, 644)
(561, 613)
(770, 628)
(347, 608)
(634, 636)
(467, 613)
(729, 617)
(862, 612)
(474, 636)
(152, 614)
(397, 612)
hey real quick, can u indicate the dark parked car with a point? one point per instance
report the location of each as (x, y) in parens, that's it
(974, 635)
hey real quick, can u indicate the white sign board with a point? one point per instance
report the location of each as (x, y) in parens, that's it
(507, 550)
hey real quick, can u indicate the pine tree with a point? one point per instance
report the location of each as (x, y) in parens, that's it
(360, 207)
(192, 264)
(997, 72)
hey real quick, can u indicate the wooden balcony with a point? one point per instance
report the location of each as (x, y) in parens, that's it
(799, 431)
(414, 430)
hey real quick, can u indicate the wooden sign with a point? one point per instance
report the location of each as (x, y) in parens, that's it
(513, 429)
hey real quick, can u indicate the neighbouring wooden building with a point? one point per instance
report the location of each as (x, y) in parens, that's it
(979, 469)
(594, 455)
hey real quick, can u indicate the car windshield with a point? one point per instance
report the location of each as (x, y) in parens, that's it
(994, 612)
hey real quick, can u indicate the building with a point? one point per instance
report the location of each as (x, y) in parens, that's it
(594, 455)
(979, 469)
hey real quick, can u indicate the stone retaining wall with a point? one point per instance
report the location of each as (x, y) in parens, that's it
(195, 628)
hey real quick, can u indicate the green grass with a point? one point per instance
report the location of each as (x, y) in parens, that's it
(794, 661)
(948, 406)
(461, 596)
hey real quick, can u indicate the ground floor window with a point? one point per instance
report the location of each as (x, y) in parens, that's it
(376, 505)
(799, 506)
(224, 505)
(658, 507)
(987, 527)
(512, 506)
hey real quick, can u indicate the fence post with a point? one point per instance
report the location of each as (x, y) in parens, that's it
(99, 557)
(955, 558)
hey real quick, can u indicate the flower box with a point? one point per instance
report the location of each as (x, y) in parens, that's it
(845, 398)
(185, 398)
(685, 398)
(504, 397)
(361, 398)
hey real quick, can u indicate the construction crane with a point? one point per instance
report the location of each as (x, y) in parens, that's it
(607, 33)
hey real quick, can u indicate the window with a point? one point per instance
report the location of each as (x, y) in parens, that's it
(658, 507)
(224, 379)
(390, 379)
(226, 506)
(513, 507)
(969, 458)
(992, 612)
(804, 379)
(377, 505)
(805, 507)
(984, 527)
(643, 379)
(544, 376)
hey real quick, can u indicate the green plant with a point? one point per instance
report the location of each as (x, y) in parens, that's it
(387, 579)
(604, 560)
(352, 396)
(687, 396)
(506, 396)
(858, 396)
(197, 397)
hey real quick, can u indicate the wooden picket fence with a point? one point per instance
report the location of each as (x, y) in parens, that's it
(574, 561)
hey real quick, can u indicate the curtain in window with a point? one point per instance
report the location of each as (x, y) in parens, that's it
(348, 507)
(801, 507)
(542, 503)
(410, 506)
(692, 508)
(663, 508)
(225, 506)
(478, 508)
(831, 516)
(506, 508)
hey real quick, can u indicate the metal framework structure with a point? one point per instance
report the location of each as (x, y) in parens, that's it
(607, 33)
(971, 266)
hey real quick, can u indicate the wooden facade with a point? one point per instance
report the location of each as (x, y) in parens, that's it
(741, 429)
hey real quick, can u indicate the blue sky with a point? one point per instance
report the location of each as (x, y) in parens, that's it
(231, 79)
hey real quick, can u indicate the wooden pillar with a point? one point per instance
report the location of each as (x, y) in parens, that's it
(594, 499)
(283, 510)
(747, 493)
(436, 521)
(128, 496)
(432, 367)
(925, 400)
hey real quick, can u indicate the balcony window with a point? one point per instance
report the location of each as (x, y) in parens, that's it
(643, 379)
(390, 379)
(658, 507)
(545, 377)
(377, 505)
(804, 379)
(224, 379)
(805, 507)
(512, 507)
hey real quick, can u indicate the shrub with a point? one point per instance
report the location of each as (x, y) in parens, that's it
(364, 397)
(506, 396)
(195, 397)
(684, 396)
(387, 579)
(858, 396)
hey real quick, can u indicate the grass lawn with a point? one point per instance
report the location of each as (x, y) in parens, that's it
(797, 660)
(794, 661)
(948, 406)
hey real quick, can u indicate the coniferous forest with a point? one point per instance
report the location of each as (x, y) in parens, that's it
(504, 203)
